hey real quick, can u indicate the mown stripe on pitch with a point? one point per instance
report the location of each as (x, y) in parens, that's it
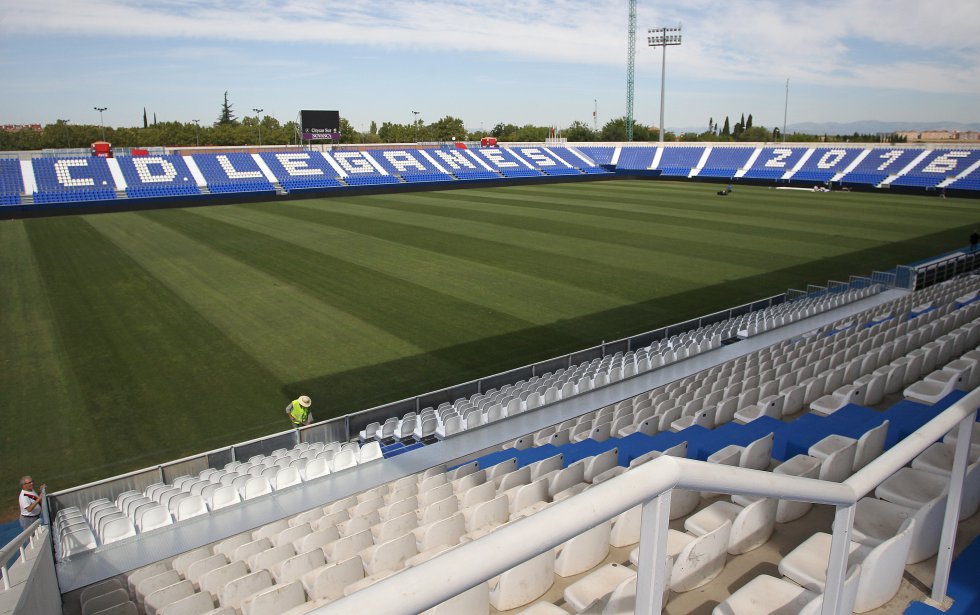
(291, 333)
(534, 299)
(156, 379)
(734, 228)
(815, 218)
(860, 207)
(39, 389)
(437, 320)
(623, 270)
(659, 238)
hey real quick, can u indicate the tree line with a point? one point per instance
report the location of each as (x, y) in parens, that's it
(228, 130)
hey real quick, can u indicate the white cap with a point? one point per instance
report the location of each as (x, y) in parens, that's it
(305, 401)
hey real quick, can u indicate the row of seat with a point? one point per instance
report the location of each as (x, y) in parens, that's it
(105, 521)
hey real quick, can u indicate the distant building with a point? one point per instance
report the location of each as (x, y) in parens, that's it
(19, 127)
(939, 135)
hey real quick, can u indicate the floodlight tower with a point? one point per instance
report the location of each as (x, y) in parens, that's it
(258, 122)
(416, 114)
(197, 132)
(630, 68)
(663, 37)
(101, 124)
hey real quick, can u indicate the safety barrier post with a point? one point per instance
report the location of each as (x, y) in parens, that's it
(951, 518)
(651, 571)
(840, 548)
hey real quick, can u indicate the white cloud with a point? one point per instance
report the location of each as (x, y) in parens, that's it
(812, 42)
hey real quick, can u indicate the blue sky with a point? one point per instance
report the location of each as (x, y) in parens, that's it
(517, 61)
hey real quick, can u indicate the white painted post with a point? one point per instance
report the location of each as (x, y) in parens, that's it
(840, 548)
(952, 515)
(652, 575)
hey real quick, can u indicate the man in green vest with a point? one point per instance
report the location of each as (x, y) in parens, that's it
(298, 411)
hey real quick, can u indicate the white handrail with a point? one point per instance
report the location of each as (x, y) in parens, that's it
(418, 588)
(14, 547)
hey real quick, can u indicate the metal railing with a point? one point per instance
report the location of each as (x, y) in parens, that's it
(15, 548)
(412, 590)
(344, 427)
(943, 269)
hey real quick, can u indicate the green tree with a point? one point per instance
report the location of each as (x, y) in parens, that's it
(726, 131)
(448, 128)
(347, 132)
(374, 127)
(755, 133)
(748, 122)
(579, 131)
(227, 117)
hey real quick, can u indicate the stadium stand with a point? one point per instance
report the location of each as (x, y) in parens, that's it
(360, 169)
(599, 155)
(724, 162)
(968, 181)
(157, 176)
(773, 162)
(506, 161)
(93, 179)
(936, 167)
(825, 163)
(679, 161)
(551, 161)
(237, 482)
(638, 158)
(878, 165)
(301, 170)
(412, 166)
(742, 412)
(11, 181)
(227, 173)
(71, 180)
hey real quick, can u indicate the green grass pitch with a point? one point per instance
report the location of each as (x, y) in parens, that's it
(134, 338)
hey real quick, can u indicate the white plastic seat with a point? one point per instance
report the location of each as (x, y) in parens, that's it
(256, 486)
(328, 582)
(767, 595)
(198, 569)
(913, 488)
(370, 452)
(584, 551)
(882, 566)
(343, 460)
(152, 518)
(167, 595)
(215, 580)
(938, 458)
(286, 477)
(524, 583)
(347, 546)
(225, 496)
(275, 600)
(105, 601)
(751, 525)
(150, 584)
(195, 604)
(878, 520)
(695, 560)
(236, 591)
(117, 529)
(369, 432)
(933, 388)
(596, 585)
(837, 464)
(192, 506)
(866, 448)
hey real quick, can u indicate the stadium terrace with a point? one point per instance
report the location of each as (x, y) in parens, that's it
(37, 183)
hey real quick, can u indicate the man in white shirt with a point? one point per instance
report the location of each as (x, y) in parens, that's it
(30, 502)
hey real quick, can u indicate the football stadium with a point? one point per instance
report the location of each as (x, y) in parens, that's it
(468, 377)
